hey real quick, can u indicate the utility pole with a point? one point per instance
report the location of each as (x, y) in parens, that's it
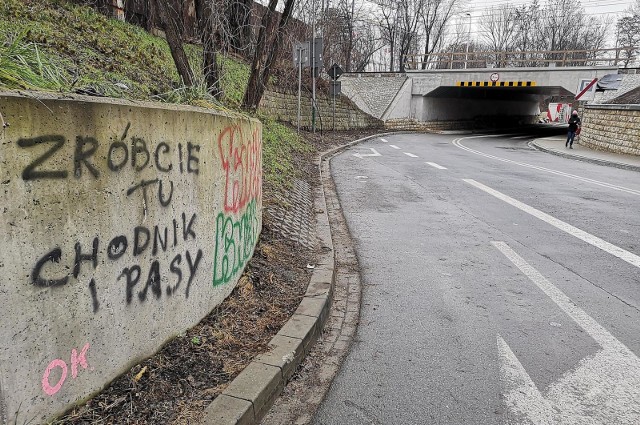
(466, 55)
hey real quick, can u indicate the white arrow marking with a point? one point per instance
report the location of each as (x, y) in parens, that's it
(362, 155)
(602, 389)
(521, 394)
(410, 154)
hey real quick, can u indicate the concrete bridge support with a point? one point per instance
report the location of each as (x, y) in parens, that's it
(466, 94)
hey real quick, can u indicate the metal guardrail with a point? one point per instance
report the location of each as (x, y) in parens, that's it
(520, 59)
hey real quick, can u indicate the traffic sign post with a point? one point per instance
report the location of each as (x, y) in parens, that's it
(335, 87)
(300, 59)
(305, 55)
(301, 54)
(335, 72)
(316, 64)
(334, 91)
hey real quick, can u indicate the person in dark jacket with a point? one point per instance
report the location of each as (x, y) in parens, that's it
(574, 125)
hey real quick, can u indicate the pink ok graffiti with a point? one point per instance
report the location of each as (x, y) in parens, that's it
(242, 162)
(76, 359)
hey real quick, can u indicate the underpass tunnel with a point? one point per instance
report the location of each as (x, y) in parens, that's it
(502, 104)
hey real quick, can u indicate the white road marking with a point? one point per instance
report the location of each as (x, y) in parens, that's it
(521, 394)
(612, 249)
(522, 137)
(457, 143)
(362, 155)
(610, 379)
(410, 154)
(394, 146)
(384, 140)
(361, 177)
(439, 167)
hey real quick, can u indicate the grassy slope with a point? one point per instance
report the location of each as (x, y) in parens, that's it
(73, 47)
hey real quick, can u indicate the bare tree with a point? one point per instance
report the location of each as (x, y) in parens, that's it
(593, 36)
(343, 28)
(205, 12)
(459, 47)
(388, 23)
(269, 43)
(350, 21)
(174, 39)
(628, 33)
(528, 36)
(498, 27)
(435, 16)
(409, 19)
(568, 28)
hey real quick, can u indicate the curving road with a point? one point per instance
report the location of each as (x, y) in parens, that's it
(501, 285)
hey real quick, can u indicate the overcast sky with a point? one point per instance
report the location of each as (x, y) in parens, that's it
(592, 7)
(599, 8)
(611, 9)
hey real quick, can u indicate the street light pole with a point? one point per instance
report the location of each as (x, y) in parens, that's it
(299, 50)
(313, 68)
(466, 55)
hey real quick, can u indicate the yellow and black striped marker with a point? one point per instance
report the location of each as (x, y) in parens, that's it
(496, 83)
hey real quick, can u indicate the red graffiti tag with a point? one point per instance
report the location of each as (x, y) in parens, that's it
(242, 161)
(76, 359)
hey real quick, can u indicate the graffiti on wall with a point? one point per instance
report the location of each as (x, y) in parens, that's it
(242, 163)
(237, 227)
(136, 153)
(56, 373)
(152, 259)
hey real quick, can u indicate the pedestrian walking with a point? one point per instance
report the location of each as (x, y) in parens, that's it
(574, 128)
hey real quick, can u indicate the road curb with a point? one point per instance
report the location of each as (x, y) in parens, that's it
(250, 395)
(578, 157)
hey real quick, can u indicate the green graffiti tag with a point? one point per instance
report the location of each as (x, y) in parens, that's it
(234, 243)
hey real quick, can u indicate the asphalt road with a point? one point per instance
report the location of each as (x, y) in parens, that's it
(501, 285)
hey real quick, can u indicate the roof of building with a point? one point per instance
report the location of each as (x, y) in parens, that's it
(629, 98)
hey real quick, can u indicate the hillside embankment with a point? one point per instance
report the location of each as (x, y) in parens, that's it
(79, 208)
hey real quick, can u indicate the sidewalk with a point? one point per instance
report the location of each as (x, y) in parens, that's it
(555, 145)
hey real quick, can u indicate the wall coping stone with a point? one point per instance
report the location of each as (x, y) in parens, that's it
(631, 107)
(125, 102)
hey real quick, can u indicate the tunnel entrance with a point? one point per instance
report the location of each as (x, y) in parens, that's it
(493, 106)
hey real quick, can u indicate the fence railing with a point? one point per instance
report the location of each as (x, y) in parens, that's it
(620, 56)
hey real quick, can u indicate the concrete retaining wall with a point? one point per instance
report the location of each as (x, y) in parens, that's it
(284, 107)
(122, 225)
(612, 128)
(373, 93)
